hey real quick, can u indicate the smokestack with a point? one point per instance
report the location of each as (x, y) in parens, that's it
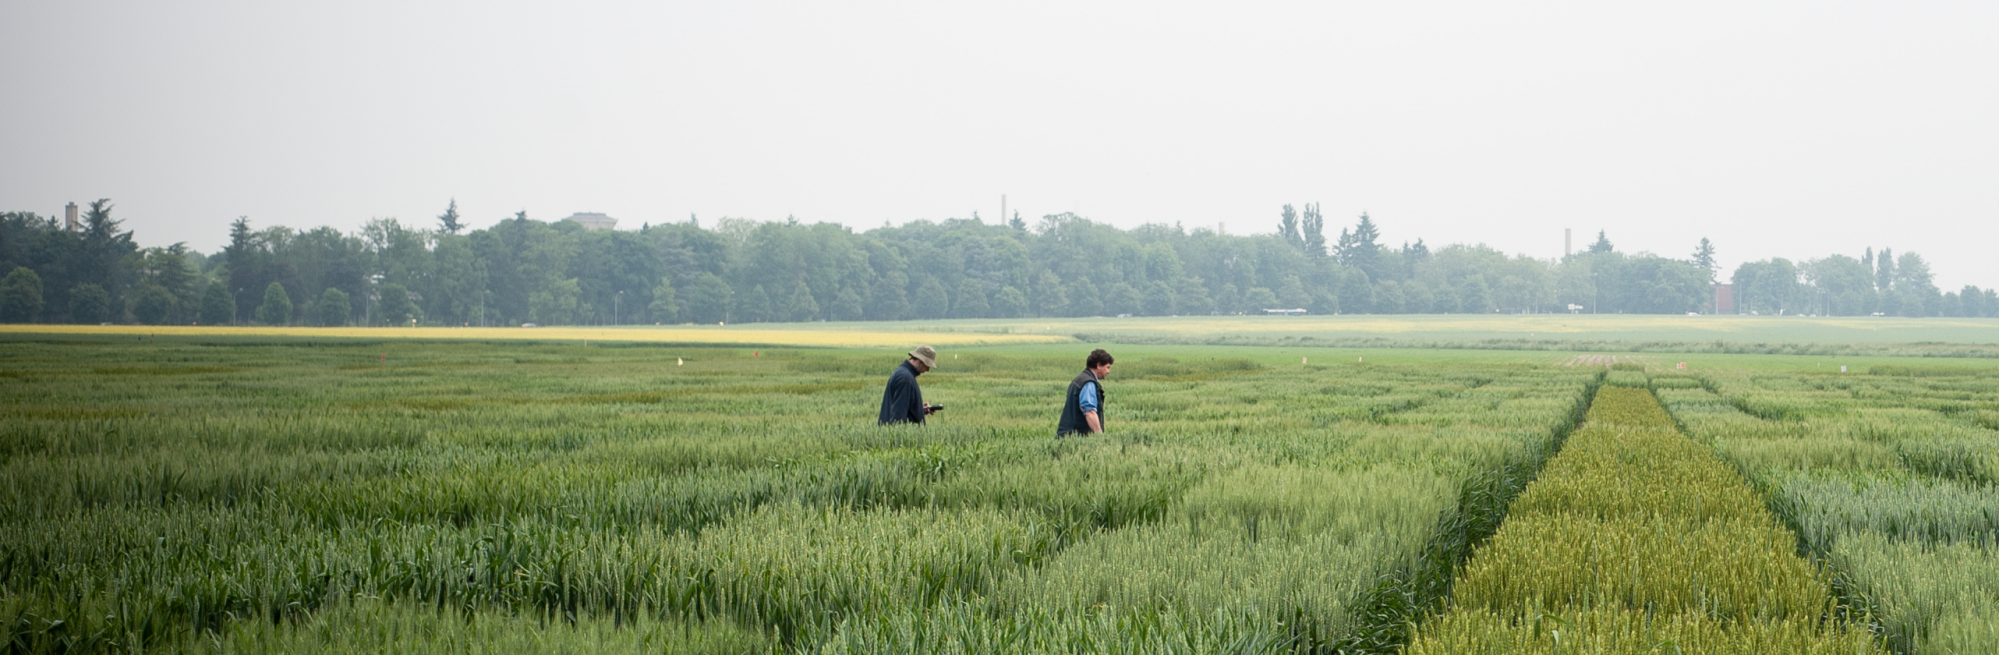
(1566, 251)
(69, 218)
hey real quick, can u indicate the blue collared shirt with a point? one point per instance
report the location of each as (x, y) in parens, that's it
(1087, 398)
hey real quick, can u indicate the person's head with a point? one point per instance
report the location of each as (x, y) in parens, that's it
(1099, 363)
(924, 357)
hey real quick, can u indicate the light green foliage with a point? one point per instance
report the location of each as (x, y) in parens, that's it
(1888, 478)
(1923, 590)
(288, 496)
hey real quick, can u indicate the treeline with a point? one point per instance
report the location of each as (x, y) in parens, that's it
(523, 270)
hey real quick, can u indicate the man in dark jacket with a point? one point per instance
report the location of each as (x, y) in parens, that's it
(1083, 410)
(902, 401)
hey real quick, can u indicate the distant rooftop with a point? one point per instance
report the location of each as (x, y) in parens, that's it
(593, 220)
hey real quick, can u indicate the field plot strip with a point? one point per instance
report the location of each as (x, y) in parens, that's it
(313, 497)
(1888, 478)
(1636, 539)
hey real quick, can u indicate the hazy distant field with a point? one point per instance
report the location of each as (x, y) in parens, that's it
(1547, 331)
(1558, 327)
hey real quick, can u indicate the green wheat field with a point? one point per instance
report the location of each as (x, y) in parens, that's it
(1456, 488)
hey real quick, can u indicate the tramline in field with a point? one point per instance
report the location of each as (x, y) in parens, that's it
(1633, 537)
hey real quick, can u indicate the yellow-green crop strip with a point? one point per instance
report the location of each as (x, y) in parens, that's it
(1636, 539)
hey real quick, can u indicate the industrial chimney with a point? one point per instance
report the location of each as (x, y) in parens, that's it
(69, 218)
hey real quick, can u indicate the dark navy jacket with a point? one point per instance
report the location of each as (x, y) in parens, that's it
(902, 400)
(1073, 420)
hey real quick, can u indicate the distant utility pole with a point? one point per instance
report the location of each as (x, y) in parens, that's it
(1002, 209)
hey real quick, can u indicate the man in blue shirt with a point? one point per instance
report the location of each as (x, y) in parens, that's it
(1083, 407)
(902, 400)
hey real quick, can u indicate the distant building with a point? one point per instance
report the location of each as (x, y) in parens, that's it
(593, 220)
(1297, 310)
(69, 220)
(1724, 299)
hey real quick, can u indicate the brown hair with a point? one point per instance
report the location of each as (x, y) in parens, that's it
(1098, 358)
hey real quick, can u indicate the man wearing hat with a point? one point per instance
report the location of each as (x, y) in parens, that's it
(902, 401)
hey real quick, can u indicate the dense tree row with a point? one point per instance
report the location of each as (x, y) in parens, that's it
(528, 271)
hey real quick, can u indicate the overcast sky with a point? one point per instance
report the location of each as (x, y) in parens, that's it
(1776, 129)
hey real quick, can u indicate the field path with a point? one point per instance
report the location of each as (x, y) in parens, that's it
(1636, 538)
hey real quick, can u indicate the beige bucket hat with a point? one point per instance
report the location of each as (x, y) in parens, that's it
(925, 354)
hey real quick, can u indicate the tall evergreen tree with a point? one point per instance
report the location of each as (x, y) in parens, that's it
(447, 222)
(1704, 257)
(1361, 248)
(246, 257)
(104, 249)
(1287, 227)
(1602, 244)
(1314, 226)
(1884, 270)
(1412, 256)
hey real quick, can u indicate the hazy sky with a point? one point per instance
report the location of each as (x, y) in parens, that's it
(1775, 129)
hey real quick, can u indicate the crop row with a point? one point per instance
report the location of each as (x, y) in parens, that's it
(287, 496)
(1633, 538)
